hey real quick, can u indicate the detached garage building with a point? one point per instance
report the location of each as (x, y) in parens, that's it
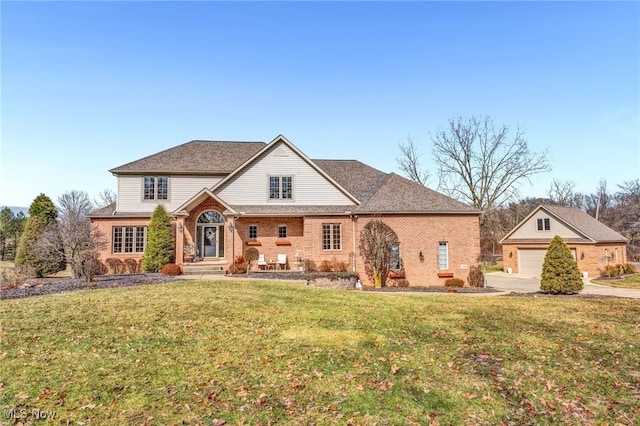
(593, 244)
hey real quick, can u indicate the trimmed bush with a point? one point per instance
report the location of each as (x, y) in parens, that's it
(454, 282)
(628, 268)
(132, 266)
(475, 277)
(251, 254)
(403, 282)
(115, 266)
(560, 273)
(171, 269)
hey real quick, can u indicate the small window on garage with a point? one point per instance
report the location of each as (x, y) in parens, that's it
(544, 224)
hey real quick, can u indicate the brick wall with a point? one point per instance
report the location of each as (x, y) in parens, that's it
(590, 257)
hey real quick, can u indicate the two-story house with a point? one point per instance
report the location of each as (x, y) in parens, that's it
(227, 196)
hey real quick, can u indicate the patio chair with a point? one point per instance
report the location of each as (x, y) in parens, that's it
(262, 262)
(282, 260)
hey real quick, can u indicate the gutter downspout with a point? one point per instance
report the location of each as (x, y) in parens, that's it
(354, 219)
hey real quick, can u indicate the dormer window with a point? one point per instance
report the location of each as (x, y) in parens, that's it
(156, 188)
(280, 187)
(544, 224)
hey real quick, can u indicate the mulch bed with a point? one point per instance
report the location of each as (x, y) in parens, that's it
(43, 286)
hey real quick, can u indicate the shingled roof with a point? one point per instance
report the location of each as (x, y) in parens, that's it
(377, 192)
(585, 224)
(201, 157)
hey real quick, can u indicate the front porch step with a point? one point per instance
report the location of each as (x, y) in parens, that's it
(205, 268)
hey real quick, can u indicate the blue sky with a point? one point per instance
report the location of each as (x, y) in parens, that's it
(88, 86)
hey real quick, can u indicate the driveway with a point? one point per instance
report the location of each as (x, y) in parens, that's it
(526, 283)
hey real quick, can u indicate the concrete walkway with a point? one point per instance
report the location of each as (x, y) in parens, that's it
(526, 283)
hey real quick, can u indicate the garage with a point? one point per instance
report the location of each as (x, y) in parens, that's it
(530, 260)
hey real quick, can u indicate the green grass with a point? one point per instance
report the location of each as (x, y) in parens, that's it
(629, 281)
(246, 352)
(497, 267)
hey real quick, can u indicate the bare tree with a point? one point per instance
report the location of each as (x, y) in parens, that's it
(562, 193)
(75, 226)
(409, 162)
(105, 198)
(376, 242)
(483, 165)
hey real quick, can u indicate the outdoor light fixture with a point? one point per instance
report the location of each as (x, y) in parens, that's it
(180, 227)
(582, 256)
(510, 254)
(421, 256)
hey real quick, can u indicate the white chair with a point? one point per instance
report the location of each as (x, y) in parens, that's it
(282, 260)
(262, 262)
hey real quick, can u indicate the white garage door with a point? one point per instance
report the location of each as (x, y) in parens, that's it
(531, 260)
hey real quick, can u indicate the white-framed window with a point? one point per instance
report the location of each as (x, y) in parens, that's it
(331, 236)
(396, 262)
(128, 239)
(282, 231)
(253, 232)
(544, 224)
(443, 255)
(155, 188)
(280, 187)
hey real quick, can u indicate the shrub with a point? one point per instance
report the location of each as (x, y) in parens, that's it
(132, 266)
(171, 269)
(237, 268)
(251, 254)
(325, 266)
(475, 277)
(560, 274)
(376, 242)
(454, 282)
(115, 266)
(310, 265)
(339, 266)
(87, 265)
(160, 241)
(16, 276)
(403, 282)
(612, 270)
(239, 258)
(628, 268)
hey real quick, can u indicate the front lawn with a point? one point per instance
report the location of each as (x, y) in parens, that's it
(628, 281)
(262, 352)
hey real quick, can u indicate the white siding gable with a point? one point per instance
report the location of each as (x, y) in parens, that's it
(529, 229)
(251, 185)
(181, 189)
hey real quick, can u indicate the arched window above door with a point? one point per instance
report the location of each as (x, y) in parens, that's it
(211, 216)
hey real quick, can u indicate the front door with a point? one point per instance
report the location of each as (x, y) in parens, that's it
(210, 240)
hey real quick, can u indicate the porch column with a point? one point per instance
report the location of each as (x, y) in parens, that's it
(180, 240)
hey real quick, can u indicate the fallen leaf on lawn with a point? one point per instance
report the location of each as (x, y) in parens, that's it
(394, 368)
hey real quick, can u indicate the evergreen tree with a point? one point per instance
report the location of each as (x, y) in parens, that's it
(160, 242)
(40, 246)
(560, 274)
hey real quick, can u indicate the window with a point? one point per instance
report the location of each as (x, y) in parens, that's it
(129, 239)
(544, 224)
(253, 232)
(395, 257)
(280, 187)
(443, 255)
(282, 231)
(156, 188)
(331, 236)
